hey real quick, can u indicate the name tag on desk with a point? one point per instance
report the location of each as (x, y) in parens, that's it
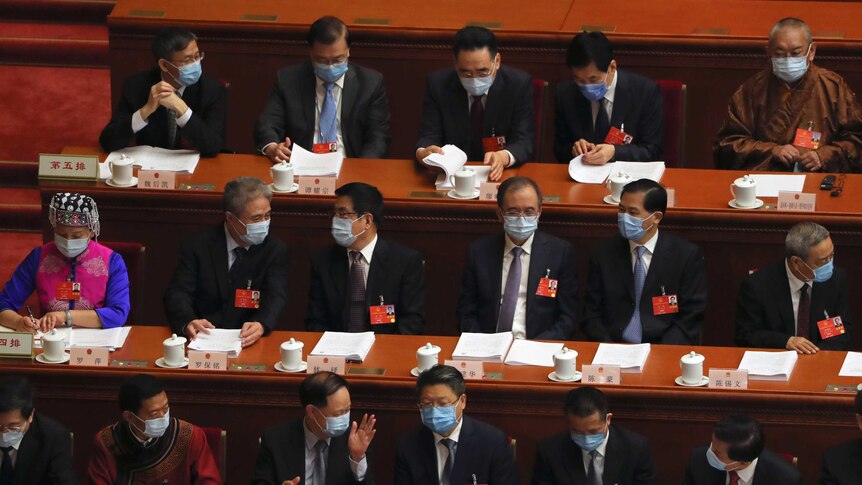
(488, 190)
(601, 374)
(320, 363)
(728, 379)
(95, 357)
(316, 185)
(156, 179)
(796, 201)
(211, 361)
(470, 369)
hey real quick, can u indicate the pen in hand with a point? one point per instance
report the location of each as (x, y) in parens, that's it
(32, 319)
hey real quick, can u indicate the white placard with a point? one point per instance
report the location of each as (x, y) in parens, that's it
(728, 379)
(79, 167)
(594, 374)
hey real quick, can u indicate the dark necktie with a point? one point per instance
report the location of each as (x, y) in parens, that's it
(357, 293)
(803, 313)
(6, 470)
(593, 477)
(320, 449)
(602, 125)
(510, 293)
(240, 253)
(633, 333)
(450, 460)
(477, 112)
(733, 478)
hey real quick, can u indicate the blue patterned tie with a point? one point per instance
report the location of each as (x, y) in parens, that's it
(450, 461)
(510, 293)
(328, 129)
(633, 333)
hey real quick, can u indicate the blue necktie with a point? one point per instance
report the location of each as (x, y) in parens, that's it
(451, 445)
(633, 333)
(328, 129)
(510, 293)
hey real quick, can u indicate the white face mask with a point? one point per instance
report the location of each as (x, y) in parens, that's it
(70, 247)
(155, 428)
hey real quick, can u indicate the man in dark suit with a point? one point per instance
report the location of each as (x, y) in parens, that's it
(451, 448)
(325, 101)
(173, 105)
(480, 106)
(841, 464)
(602, 101)
(322, 447)
(635, 276)
(608, 454)
(220, 267)
(737, 456)
(781, 306)
(524, 280)
(35, 449)
(355, 281)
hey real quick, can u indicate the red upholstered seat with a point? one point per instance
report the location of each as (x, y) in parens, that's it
(540, 99)
(789, 458)
(133, 255)
(217, 441)
(673, 97)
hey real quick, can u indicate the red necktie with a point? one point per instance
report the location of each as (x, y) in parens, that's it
(803, 314)
(734, 478)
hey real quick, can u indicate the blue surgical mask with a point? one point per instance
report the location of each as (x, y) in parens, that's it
(823, 273)
(593, 92)
(335, 425)
(330, 72)
(631, 227)
(790, 69)
(342, 231)
(714, 462)
(520, 228)
(255, 233)
(11, 438)
(189, 74)
(439, 419)
(588, 442)
(477, 86)
(155, 428)
(70, 247)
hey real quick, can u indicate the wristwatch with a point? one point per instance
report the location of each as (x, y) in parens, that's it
(68, 318)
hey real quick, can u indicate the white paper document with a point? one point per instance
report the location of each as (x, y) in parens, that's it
(310, 164)
(630, 357)
(588, 174)
(111, 338)
(104, 171)
(451, 160)
(351, 346)
(530, 352)
(852, 366)
(640, 170)
(218, 340)
(152, 158)
(771, 185)
(768, 366)
(491, 347)
(482, 174)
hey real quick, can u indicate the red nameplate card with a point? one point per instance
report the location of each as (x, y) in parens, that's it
(320, 363)
(493, 143)
(547, 287)
(662, 305)
(247, 299)
(96, 357)
(831, 327)
(382, 314)
(153, 179)
(325, 147)
(316, 185)
(212, 361)
(601, 374)
(618, 137)
(470, 369)
(488, 190)
(807, 139)
(67, 290)
(728, 379)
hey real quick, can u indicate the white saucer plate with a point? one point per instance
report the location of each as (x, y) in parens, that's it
(302, 367)
(757, 204)
(291, 190)
(132, 183)
(160, 362)
(610, 200)
(553, 376)
(703, 381)
(454, 195)
(42, 360)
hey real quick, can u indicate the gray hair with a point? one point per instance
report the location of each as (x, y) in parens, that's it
(790, 23)
(242, 190)
(802, 237)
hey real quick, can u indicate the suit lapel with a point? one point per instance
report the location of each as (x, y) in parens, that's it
(463, 455)
(624, 266)
(538, 269)
(496, 267)
(349, 95)
(660, 258)
(377, 273)
(573, 461)
(309, 101)
(296, 459)
(459, 111)
(339, 274)
(492, 105)
(621, 100)
(785, 303)
(614, 458)
(428, 456)
(27, 452)
(218, 254)
(584, 113)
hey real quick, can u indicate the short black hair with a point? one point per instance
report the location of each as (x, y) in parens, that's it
(16, 393)
(472, 38)
(655, 196)
(517, 183)
(317, 388)
(137, 389)
(589, 47)
(442, 374)
(327, 30)
(366, 199)
(169, 40)
(585, 401)
(859, 403)
(743, 434)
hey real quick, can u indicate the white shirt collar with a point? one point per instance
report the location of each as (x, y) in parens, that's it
(527, 246)
(612, 89)
(649, 245)
(454, 435)
(795, 283)
(338, 82)
(747, 473)
(367, 251)
(231, 242)
(311, 439)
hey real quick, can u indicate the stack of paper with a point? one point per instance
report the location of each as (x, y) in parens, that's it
(310, 164)
(597, 174)
(852, 366)
(630, 357)
(483, 346)
(152, 158)
(451, 160)
(218, 340)
(771, 185)
(111, 338)
(640, 170)
(768, 366)
(351, 346)
(529, 352)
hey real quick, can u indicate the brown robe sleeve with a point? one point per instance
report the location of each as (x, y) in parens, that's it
(735, 147)
(843, 152)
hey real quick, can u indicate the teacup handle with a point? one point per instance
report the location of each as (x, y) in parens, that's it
(111, 168)
(732, 192)
(452, 180)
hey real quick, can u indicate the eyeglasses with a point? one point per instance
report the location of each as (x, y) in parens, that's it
(518, 213)
(331, 61)
(429, 404)
(11, 429)
(188, 60)
(342, 214)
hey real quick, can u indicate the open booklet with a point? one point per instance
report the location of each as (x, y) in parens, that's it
(597, 174)
(351, 346)
(306, 163)
(451, 160)
(152, 158)
(503, 347)
(768, 366)
(218, 340)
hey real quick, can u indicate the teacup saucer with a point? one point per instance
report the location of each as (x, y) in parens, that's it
(757, 204)
(291, 190)
(454, 195)
(42, 360)
(132, 183)
(414, 372)
(553, 376)
(160, 362)
(280, 367)
(610, 200)
(703, 381)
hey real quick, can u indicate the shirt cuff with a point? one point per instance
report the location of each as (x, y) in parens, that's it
(511, 159)
(359, 468)
(138, 122)
(182, 120)
(263, 149)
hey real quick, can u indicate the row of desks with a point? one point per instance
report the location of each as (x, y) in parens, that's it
(800, 417)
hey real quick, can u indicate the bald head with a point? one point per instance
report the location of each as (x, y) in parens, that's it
(790, 24)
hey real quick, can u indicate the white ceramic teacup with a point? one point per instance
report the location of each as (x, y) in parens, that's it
(427, 357)
(291, 354)
(744, 190)
(174, 350)
(53, 346)
(616, 183)
(566, 363)
(121, 170)
(464, 181)
(692, 368)
(282, 175)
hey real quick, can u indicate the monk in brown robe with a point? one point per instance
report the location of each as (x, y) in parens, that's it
(760, 132)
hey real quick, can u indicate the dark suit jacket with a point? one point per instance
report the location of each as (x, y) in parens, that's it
(628, 460)
(204, 131)
(483, 451)
(44, 455)
(547, 318)
(637, 104)
(397, 273)
(676, 264)
(764, 309)
(201, 287)
(290, 110)
(771, 468)
(509, 112)
(842, 464)
(282, 457)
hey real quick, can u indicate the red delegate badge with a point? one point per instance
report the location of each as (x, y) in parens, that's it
(831, 327)
(247, 299)
(382, 314)
(807, 139)
(493, 143)
(325, 147)
(662, 305)
(618, 137)
(547, 287)
(68, 290)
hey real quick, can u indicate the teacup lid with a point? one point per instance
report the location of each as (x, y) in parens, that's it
(620, 177)
(745, 181)
(53, 335)
(292, 344)
(124, 160)
(428, 349)
(566, 353)
(692, 358)
(283, 165)
(174, 340)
